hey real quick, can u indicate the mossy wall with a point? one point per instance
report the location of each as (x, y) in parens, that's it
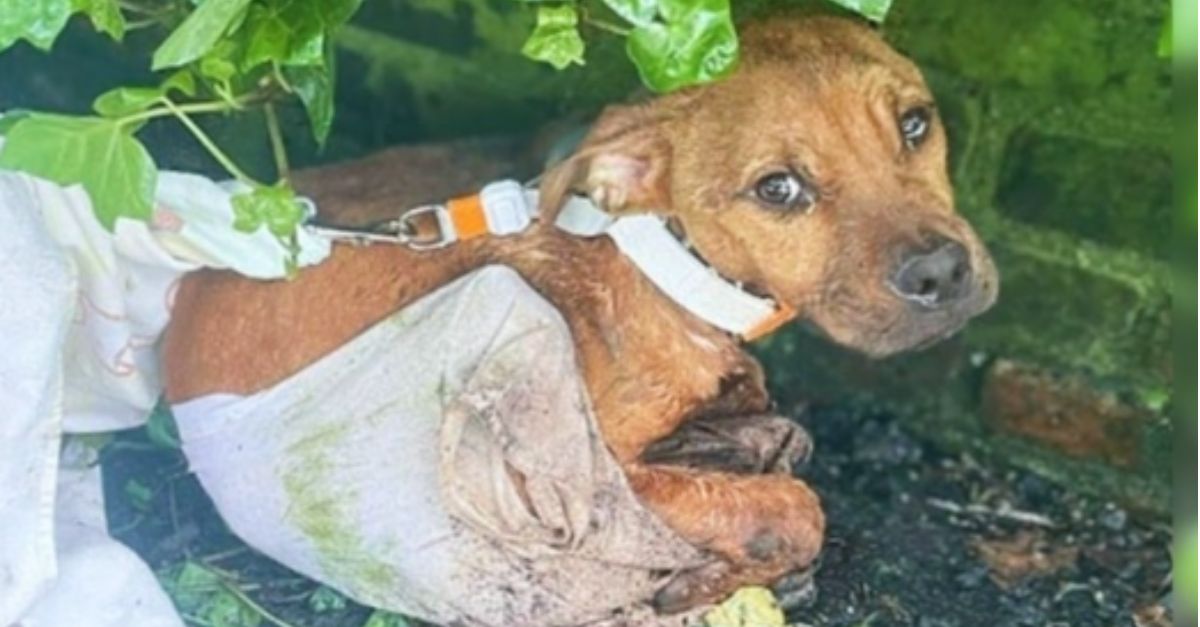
(1058, 118)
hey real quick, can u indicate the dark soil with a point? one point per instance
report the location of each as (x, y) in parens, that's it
(915, 537)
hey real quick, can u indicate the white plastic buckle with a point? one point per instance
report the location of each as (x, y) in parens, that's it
(506, 207)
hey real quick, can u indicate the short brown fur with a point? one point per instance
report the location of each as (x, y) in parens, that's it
(821, 96)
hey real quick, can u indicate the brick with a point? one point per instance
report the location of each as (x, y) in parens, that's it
(1065, 412)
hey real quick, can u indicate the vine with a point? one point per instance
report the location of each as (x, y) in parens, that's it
(226, 57)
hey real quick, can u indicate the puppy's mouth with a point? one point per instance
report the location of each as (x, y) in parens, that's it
(755, 289)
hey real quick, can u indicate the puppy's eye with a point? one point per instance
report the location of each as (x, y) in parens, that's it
(784, 190)
(914, 126)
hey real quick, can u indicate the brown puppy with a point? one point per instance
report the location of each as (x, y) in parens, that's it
(816, 173)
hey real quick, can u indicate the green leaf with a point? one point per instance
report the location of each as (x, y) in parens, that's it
(380, 618)
(190, 585)
(338, 12)
(274, 207)
(277, 29)
(139, 495)
(326, 599)
(201, 592)
(874, 10)
(105, 15)
(1164, 40)
(161, 429)
(555, 39)
(293, 32)
(124, 101)
(694, 43)
(100, 154)
(10, 119)
(277, 209)
(636, 12)
(218, 63)
(314, 86)
(226, 610)
(37, 21)
(199, 32)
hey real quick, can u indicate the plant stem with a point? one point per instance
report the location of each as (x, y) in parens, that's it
(208, 144)
(605, 25)
(277, 147)
(277, 73)
(194, 107)
(262, 611)
(139, 24)
(137, 8)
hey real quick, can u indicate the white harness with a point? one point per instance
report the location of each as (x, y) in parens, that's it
(506, 208)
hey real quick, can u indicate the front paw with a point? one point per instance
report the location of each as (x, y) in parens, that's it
(756, 444)
(692, 588)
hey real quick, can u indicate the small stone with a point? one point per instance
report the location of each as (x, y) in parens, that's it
(1113, 518)
(972, 578)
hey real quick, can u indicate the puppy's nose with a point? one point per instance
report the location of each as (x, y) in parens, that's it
(933, 276)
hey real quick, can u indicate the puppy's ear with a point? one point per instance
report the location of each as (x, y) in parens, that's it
(623, 165)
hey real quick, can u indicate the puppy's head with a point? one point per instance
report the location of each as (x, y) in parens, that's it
(816, 173)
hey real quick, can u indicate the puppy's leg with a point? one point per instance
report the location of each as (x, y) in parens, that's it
(764, 526)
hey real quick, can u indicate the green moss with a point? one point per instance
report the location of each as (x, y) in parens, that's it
(1113, 194)
(1067, 45)
(1076, 318)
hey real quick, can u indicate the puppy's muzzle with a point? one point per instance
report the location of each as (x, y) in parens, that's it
(936, 275)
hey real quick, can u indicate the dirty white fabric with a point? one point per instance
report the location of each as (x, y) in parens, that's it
(444, 464)
(80, 311)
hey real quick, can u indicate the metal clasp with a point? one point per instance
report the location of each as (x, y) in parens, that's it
(401, 230)
(404, 225)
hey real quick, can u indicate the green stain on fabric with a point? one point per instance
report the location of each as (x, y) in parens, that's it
(320, 511)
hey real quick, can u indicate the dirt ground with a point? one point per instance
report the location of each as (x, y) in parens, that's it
(916, 537)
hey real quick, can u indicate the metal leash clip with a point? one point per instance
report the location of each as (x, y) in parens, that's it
(401, 230)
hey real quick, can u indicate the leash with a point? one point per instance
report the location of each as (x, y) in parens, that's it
(506, 208)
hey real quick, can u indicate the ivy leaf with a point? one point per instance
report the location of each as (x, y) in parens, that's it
(190, 585)
(139, 495)
(293, 32)
(274, 207)
(199, 32)
(874, 10)
(37, 21)
(100, 154)
(161, 428)
(284, 31)
(10, 118)
(325, 599)
(555, 38)
(338, 12)
(380, 618)
(199, 591)
(314, 86)
(636, 12)
(105, 15)
(277, 209)
(122, 101)
(694, 43)
(217, 64)
(226, 610)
